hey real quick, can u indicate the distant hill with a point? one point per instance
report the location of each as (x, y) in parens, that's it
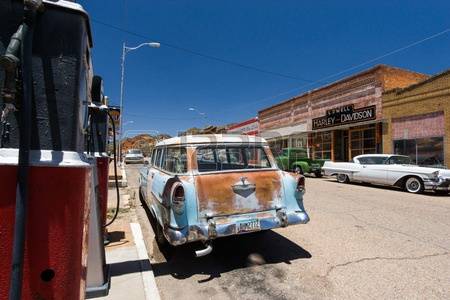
(211, 129)
(145, 142)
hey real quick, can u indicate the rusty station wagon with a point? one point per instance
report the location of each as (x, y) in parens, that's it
(199, 188)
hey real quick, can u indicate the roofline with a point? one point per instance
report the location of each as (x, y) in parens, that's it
(339, 81)
(417, 84)
(212, 139)
(243, 123)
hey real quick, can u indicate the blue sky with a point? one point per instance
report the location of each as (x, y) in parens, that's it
(305, 40)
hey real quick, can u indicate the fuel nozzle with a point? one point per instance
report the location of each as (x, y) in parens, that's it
(9, 62)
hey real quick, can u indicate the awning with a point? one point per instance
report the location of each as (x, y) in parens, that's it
(283, 131)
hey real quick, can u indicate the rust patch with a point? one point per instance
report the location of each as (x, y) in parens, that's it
(216, 195)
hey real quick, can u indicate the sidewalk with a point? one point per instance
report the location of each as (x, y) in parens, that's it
(130, 269)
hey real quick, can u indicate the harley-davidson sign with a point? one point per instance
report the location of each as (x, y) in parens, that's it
(344, 115)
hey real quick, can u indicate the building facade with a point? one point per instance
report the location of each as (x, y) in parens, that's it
(337, 121)
(248, 127)
(418, 121)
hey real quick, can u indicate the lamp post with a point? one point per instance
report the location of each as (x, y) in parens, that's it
(125, 50)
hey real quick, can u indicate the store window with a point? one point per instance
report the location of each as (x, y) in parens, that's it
(321, 144)
(423, 151)
(363, 141)
(300, 141)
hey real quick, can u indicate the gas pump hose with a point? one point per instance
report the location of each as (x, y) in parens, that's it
(26, 50)
(115, 171)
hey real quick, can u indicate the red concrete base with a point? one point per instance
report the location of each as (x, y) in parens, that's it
(56, 236)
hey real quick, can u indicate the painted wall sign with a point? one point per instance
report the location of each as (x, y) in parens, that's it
(344, 115)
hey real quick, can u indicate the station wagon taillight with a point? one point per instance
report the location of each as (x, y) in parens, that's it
(301, 184)
(178, 198)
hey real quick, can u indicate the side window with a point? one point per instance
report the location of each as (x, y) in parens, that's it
(157, 158)
(363, 160)
(206, 159)
(175, 160)
(161, 162)
(153, 157)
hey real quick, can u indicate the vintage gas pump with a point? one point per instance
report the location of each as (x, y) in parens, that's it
(49, 176)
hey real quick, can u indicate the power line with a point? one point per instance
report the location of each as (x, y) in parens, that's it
(296, 89)
(207, 56)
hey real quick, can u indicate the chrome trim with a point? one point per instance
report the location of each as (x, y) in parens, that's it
(206, 231)
(442, 184)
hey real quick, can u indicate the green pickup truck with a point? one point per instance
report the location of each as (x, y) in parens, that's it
(296, 160)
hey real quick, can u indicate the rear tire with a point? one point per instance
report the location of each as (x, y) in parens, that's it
(318, 174)
(414, 185)
(342, 178)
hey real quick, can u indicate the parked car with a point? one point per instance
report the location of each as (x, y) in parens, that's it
(296, 160)
(134, 156)
(199, 188)
(390, 169)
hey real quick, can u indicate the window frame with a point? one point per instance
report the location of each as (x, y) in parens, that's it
(272, 164)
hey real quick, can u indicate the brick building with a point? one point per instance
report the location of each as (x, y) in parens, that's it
(418, 121)
(337, 121)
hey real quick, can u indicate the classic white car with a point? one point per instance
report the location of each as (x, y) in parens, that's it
(389, 169)
(134, 156)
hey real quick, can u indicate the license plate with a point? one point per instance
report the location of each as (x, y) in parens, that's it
(249, 225)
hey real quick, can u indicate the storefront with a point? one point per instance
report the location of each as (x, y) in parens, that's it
(418, 121)
(338, 121)
(338, 136)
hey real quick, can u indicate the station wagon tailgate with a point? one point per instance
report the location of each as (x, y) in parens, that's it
(230, 193)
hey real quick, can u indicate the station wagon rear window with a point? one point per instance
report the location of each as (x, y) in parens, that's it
(221, 158)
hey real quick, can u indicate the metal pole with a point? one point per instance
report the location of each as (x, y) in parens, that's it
(122, 78)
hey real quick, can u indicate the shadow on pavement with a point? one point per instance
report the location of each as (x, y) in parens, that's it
(116, 236)
(230, 253)
(128, 267)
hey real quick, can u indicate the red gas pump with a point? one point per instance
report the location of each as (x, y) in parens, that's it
(50, 216)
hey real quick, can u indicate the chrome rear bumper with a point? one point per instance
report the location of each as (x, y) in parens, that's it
(225, 226)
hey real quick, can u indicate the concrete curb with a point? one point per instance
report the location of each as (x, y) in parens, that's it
(122, 182)
(150, 288)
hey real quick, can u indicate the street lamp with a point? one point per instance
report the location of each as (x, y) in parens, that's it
(125, 50)
(199, 112)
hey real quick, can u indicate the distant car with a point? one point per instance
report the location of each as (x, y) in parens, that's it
(297, 160)
(134, 156)
(390, 169)
(199, 188)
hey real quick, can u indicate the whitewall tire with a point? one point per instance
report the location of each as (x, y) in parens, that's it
(342, 178)
(414, 185)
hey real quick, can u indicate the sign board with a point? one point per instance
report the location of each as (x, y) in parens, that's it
(248, 127)
(344, 115)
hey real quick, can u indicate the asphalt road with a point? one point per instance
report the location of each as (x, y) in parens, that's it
(362, 242)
